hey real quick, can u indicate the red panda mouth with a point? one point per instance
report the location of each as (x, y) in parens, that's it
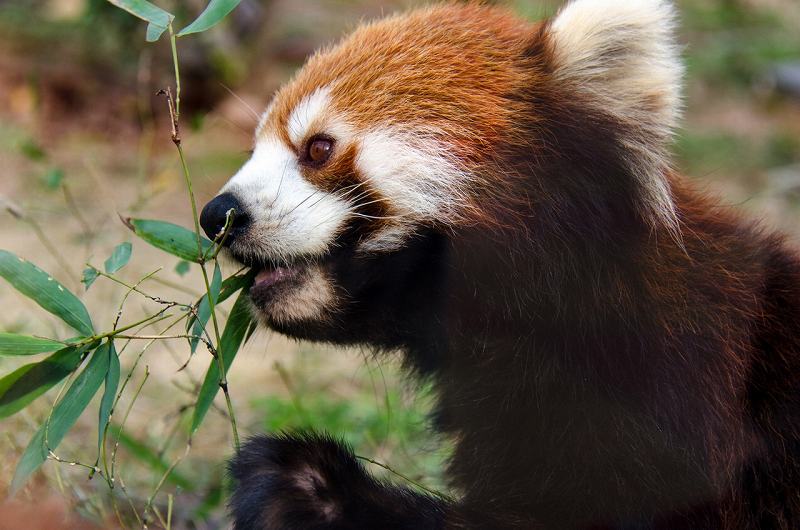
(269, 277)
(281, 286)
(273, 278)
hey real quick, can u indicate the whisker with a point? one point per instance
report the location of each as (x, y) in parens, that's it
(336, 196)
(362, 204)
(358, 197)
(344, 192)
(243, 102)
(299, 204)
(386, 217)
(280, 184)
(284, 214)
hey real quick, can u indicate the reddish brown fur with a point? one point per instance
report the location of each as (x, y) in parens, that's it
(450, 76)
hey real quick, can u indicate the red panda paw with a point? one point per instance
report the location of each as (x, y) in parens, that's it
(296, 481)
(313, 482)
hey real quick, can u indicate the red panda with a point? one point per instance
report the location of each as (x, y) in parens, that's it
(494, 199)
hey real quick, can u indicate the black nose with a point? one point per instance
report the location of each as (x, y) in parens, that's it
(214, 216)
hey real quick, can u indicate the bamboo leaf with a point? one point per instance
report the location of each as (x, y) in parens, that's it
(90, 274)
(236, 328)
(119, 258)
(43, 289)
(32, 150)
(154, 32)
(158, 19)
(182, 267)
(204, 308)
(229, 287)
(28, 382)
(232, 284)
(109, 392)
(169, 237)
(53, 178)
(215, 11)
(63, 417)
(12, 344)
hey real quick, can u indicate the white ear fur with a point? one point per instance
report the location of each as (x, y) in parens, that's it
(621, 54)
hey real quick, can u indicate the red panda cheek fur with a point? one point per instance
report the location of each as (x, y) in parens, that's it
(610, 348)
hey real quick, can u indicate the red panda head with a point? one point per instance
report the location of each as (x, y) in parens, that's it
(382, 147)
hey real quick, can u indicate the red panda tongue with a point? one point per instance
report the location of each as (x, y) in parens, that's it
(268, 277)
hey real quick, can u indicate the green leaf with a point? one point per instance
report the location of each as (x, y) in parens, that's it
(229, 287)
(119, 258)
(204, 308)
(109, 391)
(39, 286)
(158, 18)
(53, 178)
(215, 11)
(169, 237)
(90, 274)
(30, 381)
(12, 344)
(236, 328)
(154, 32)
(182, 267)
(32, 150)
(63, 417)
(235, 283)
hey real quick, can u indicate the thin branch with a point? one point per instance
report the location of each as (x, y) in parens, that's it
(174, 112)
(405, 477)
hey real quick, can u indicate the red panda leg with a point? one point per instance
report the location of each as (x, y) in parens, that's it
(310, 481)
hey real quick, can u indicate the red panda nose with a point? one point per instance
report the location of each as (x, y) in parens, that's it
(215, 215)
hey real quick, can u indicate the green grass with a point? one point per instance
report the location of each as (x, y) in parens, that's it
(376, 413)
(704, 154)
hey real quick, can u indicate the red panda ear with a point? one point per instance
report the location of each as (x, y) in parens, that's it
(621, 55)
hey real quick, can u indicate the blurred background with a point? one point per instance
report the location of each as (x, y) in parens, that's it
(83, 138)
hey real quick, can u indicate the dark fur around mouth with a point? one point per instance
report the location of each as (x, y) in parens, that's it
(364, 285)
(274, 276)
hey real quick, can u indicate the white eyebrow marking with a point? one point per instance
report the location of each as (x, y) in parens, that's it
(306, 113)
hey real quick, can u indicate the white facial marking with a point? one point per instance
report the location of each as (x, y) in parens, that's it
(290, 217)
(389, 238)
(306, 112)
(622, 54)
(419, 177)
(310, 301)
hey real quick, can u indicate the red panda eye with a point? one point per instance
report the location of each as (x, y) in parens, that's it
(319, 149)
